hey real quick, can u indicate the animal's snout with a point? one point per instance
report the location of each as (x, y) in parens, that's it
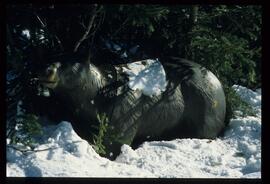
(49, 77)
(51, 71)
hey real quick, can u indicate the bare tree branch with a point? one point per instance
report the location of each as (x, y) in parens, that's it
(42, 23)
(59, 42)
(120, 27)
(101, 20)
(90, 24)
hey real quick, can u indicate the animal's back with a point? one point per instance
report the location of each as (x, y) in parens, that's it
(205, 106)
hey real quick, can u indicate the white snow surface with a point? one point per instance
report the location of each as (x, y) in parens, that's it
(62, 153)
(150, 77)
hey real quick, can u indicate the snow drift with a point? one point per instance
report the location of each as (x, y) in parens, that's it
(62, 153)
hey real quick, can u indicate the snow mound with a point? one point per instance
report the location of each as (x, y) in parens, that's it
(251, 97)
(147, 76)
(244, 133)
(63, 153)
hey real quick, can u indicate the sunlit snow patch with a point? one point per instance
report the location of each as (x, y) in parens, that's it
(251, 97)
(26, 33)
(148, 76)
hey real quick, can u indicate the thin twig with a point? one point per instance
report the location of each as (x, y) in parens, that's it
(96, 28)
(34, 151)
(90, 24)
(236, 23)
(115, 33)
(83, 25)
(43, 25)
(59, 42)
(31, 151)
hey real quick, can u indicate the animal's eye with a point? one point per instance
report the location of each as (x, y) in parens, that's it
(51, 69)
(53, 66)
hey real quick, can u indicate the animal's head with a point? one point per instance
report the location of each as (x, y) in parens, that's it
(69, 90)
(50, 76)
(47, 79)
(79, 78)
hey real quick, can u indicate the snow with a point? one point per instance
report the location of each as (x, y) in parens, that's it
(112, 45)
(251, 97)
(62, 153)
(26, 33)
(147, 76)
(65, 154)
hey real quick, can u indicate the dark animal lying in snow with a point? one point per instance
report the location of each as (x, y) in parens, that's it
(191, 102)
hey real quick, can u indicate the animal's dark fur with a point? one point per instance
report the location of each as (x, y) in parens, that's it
(192, 105)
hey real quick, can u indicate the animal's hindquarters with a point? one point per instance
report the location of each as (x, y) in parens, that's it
(205, 106)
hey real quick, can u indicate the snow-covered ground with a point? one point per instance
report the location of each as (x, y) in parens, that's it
(63, 153)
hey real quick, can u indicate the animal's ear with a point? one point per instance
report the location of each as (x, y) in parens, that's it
(57, 65)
